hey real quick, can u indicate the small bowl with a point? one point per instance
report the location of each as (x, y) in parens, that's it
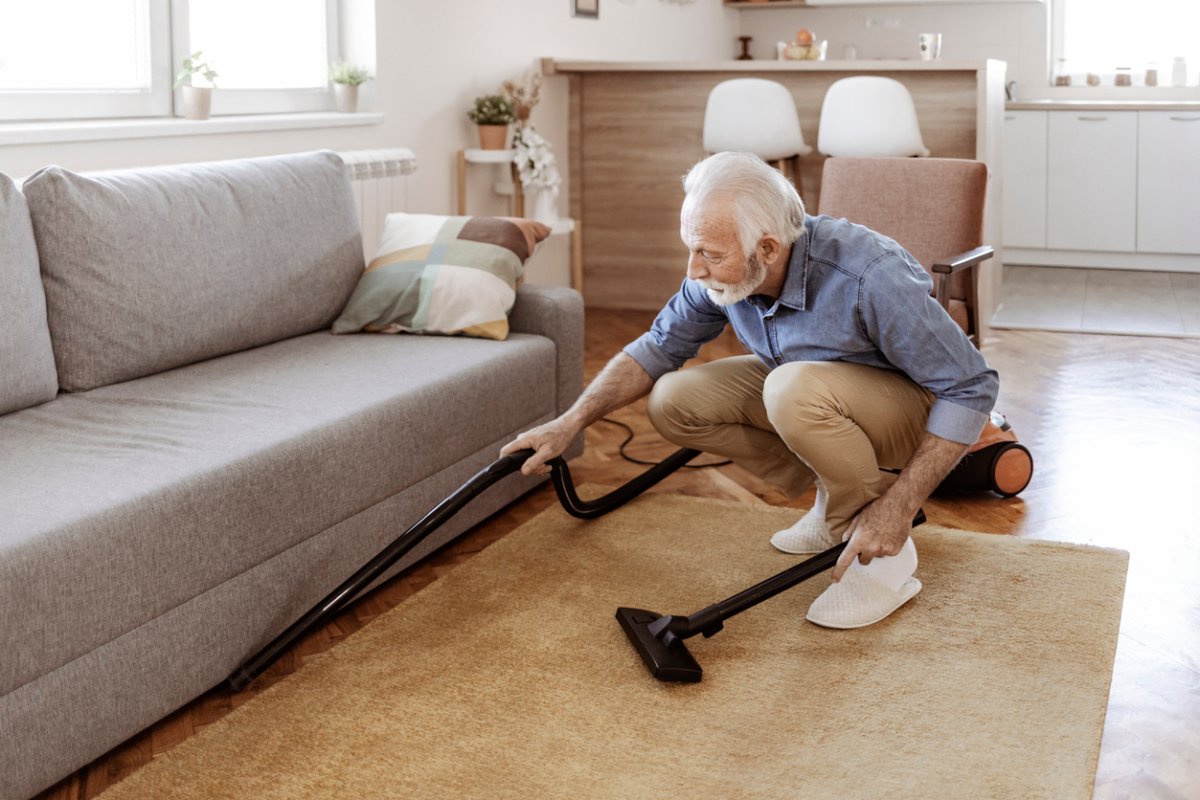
(806, 52)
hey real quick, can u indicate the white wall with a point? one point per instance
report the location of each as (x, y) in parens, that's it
(1017, 33)
(431, 58)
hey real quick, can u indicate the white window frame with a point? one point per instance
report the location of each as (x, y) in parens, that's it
(257, 101)
(1058, 51)
(166, 25)
(105, 104)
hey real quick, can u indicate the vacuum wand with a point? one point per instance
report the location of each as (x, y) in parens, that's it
(344, 594)
(658, 638)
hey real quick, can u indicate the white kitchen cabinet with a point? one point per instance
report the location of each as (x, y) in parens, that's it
(1091, 181)
(895, 2)
(1168, 193)
(1024, 210)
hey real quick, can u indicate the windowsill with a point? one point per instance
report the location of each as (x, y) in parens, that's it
(92, 130)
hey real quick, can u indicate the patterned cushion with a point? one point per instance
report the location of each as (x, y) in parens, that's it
(449, 275)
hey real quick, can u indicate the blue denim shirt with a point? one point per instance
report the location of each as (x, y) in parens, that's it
(850, 295)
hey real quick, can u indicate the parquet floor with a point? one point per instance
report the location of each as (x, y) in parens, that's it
(1114, 425)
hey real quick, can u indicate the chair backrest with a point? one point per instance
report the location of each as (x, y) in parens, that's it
(934, 207)
(868, 116)
(753, 115)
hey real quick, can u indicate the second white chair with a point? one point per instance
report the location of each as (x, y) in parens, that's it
(755, 115)
(868, 116)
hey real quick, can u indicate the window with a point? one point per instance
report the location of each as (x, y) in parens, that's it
(269, 55)
(1101, 35)
(112, 60)
(118, 58)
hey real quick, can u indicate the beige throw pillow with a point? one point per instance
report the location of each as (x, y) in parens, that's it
(445, 275)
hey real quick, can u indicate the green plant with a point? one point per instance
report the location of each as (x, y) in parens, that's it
(347, 73)
(193, 65)
(492, 109)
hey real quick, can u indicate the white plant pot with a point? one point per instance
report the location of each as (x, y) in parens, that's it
(345, 97)
(545, 206)
(197, 102)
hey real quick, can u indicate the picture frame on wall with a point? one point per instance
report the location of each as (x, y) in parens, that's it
(585, 8)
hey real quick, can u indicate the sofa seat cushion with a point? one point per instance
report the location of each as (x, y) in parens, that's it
(123, 502)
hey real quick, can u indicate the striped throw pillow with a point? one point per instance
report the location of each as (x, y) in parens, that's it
(442, 275)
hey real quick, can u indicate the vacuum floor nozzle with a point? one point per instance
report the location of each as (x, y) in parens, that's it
(666, 662)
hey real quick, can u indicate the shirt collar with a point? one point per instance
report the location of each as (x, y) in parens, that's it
(795, 284)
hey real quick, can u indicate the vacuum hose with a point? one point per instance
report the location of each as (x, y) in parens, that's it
(340, 597)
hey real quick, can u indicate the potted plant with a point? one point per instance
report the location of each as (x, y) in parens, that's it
(492, 113)
(197, 100)
(346, 79)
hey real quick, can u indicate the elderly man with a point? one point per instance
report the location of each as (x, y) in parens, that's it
(856, 372)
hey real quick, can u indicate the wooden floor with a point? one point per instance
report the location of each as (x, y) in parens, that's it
(1114, 425)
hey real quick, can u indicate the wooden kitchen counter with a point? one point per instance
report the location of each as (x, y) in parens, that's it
(636, 127)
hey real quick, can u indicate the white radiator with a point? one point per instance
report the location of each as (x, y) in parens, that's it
(379, 180)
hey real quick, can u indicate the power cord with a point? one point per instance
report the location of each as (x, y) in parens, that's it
(629, 438)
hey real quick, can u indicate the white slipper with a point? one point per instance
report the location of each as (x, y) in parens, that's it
(859, 600)
(810, 534)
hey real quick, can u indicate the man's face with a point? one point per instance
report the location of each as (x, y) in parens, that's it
(716, 261)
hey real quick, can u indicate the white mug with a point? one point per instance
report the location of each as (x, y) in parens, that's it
(931, 46)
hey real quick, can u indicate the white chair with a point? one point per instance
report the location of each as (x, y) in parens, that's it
(754, 115)
(869, 117)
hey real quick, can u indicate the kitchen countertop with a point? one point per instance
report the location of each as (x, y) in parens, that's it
(1103, 105)
(553, 65)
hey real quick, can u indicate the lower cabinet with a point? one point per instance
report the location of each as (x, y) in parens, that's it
(1168, 182)
(1091, 181)
(1024, 214)
(1110, 183)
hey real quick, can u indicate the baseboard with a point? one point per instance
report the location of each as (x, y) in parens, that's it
(1156, 262)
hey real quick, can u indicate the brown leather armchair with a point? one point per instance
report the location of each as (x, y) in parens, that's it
(932, 206)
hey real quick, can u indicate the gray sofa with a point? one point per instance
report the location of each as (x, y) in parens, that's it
(189, 460)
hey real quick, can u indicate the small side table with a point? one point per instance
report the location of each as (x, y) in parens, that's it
(477, 156)
(561, 226)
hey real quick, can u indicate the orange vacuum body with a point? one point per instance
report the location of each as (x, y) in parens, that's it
(997, 462)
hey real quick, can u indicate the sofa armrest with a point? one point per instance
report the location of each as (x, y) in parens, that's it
(555, 312)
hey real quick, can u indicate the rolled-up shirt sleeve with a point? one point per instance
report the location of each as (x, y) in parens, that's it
(918, 337)
(687, 321)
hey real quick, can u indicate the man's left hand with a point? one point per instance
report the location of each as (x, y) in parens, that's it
(880, 529)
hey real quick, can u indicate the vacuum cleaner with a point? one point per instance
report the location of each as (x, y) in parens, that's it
(657, 638)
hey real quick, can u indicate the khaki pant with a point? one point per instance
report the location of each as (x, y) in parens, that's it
(830, 420)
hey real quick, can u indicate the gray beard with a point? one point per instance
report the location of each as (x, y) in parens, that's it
(726, 294)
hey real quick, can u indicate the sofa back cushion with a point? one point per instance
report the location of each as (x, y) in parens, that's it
(27, 375)
(155, 268)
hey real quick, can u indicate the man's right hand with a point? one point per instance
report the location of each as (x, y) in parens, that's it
(548, 441)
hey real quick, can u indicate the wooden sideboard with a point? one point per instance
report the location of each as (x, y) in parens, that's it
(636, 127)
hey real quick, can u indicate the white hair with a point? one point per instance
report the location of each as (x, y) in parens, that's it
(764, 202)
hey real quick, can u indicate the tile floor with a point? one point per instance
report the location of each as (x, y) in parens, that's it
(1100, 301)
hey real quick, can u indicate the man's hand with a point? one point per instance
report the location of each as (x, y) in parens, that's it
(880, 529)
(883, 526)
(620, 383)
(549, 441)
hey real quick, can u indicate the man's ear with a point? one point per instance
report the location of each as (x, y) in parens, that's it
(769, 249)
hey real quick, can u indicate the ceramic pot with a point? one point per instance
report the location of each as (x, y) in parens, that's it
(197, 102)
(345, 97)
(545, 209)
(493, 137)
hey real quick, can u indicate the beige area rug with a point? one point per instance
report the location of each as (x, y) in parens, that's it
(510, 678)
